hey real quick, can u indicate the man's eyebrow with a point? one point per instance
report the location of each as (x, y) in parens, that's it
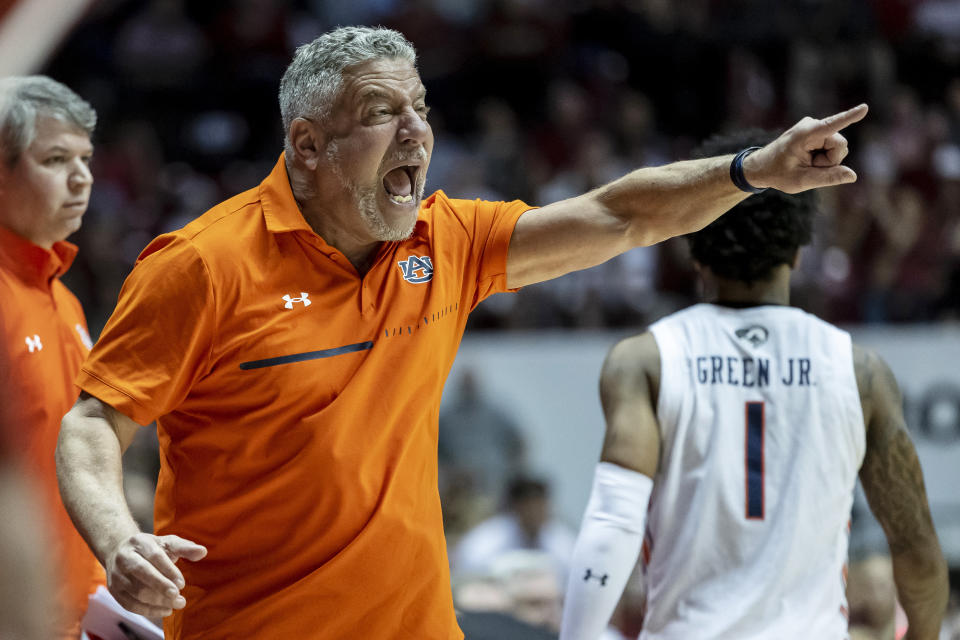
(377, 93)
(58, 148)
(374, 92)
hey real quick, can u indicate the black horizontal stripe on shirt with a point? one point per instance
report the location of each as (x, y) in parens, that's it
(309, 355)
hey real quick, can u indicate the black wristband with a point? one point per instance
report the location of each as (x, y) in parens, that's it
(736, 172)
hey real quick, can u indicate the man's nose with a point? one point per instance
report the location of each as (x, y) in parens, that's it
(413, 128)
(80, 175)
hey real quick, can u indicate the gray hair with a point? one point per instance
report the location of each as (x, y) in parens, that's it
(23, 98)
(311, 82)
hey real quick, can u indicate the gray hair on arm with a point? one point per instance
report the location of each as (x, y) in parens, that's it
(311, 82)
(24, 98)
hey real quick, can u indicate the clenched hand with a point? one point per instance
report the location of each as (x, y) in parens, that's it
(142, 573)
(808, 155)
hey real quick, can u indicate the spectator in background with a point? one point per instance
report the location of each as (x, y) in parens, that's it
(203, 76)
(479, 439)
(524, 523)
(45, 181)
(480, 448)
(518, 596)
(534, 586)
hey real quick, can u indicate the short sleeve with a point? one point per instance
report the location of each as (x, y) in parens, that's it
(489, 228)
(158, 341)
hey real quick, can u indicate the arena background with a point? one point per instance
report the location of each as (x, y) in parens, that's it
(539, 100)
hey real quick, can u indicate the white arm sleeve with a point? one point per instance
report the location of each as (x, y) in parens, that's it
(606, 550)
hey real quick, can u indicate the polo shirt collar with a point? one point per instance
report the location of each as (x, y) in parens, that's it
(280, 209)
(34, 264)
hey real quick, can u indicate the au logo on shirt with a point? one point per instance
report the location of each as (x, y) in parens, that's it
(417, 269)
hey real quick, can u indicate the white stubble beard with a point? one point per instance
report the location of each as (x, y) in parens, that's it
(366, 198)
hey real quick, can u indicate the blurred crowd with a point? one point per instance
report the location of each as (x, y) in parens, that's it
(540, 100)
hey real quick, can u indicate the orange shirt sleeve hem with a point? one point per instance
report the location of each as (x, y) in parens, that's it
(500, 242)
(115, 397)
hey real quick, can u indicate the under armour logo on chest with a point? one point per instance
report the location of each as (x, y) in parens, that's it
(416, 269)
(33, 344)
(601, 579)
(304, 298)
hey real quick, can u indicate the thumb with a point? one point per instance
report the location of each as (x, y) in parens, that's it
(840, 175)
(817, 178)
(177, 547)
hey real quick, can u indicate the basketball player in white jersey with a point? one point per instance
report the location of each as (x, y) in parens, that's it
(735, 433)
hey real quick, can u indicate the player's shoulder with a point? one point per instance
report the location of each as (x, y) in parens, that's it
(817, 321)
(632, 357)
(868, 363)
(874, 375)
(640, 345)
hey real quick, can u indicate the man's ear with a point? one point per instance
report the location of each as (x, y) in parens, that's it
(308, 142)
(796, 260)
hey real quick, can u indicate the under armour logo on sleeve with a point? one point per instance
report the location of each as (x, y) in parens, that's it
(601, 579)
(304, 298)
(33, 343)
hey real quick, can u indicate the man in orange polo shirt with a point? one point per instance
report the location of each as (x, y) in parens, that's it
(45, 180)
(292, 344)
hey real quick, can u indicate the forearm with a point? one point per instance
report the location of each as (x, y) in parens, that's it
(606, 550)
(922, 589)
(89, 471)
(661, 202)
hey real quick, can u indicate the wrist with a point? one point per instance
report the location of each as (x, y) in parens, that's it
(108, 544)
(744, 171)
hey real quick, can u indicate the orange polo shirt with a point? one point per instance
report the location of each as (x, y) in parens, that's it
(297, 408)
(45, 341)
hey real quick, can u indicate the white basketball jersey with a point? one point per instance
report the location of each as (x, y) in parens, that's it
(762, 438)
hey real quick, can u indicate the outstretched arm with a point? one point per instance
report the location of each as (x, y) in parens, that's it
(652, 204)
(893, 482)
(611, 535)
(140, 568)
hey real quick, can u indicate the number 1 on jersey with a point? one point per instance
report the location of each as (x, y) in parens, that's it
(753, 460)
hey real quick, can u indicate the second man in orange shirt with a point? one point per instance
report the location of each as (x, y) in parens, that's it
(45, 182)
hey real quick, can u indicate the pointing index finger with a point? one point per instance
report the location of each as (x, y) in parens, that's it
(838, 121)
